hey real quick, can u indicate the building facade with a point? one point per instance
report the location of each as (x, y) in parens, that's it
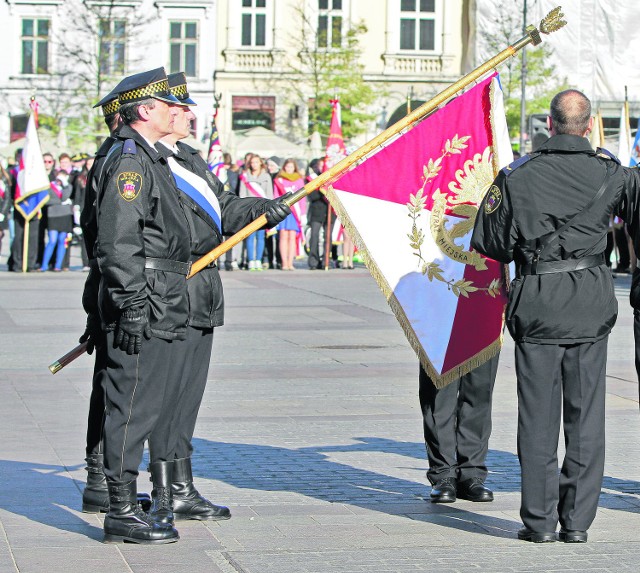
(411, 50)
(68, 53)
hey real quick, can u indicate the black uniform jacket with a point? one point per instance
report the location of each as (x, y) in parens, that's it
(532, 198)
(140, 216)
(206, 301)
(89, 227)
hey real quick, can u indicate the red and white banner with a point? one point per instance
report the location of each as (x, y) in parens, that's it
(411, 208)
(335, 152)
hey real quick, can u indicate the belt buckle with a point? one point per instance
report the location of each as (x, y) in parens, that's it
(189, 264)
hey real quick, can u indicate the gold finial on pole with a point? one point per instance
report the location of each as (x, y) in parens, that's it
(553, 21)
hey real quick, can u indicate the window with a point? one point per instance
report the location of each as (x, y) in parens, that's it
(112, 36)
(183, 41)
(329, 23)
(35, 46)
(417, 24)
(253, 111)
(254, 23)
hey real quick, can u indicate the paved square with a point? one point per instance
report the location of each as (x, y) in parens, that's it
(310, 431)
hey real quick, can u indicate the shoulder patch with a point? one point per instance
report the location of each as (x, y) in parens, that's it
(515, 164)
(493, 199)
(606, 154)
(129, 185)
(130, 147)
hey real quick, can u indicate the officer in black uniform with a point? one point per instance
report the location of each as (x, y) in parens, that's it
(549, 212)
(457, 426)
(212, 212)
(142, 249)
(95, 497)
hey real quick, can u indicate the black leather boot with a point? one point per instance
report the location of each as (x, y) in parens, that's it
(187, 502)
(125, 521)
(95, 497)
(161, 507)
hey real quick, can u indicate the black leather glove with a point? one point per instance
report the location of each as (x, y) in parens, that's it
(130, 329)
(276, 210)
(92, 333)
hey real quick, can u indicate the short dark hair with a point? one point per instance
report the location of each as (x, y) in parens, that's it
(129, 111)
(570, 112)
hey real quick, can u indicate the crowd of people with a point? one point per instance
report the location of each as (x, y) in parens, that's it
(56, 228)
(57, 224)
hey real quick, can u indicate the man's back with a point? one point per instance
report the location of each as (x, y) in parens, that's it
(534, 200)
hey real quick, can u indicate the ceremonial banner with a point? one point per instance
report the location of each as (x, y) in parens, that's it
(32, 188)
(215, 160)
(336, 150)
(635, 148)
(624, 136)
(596, 137)
(411, 208)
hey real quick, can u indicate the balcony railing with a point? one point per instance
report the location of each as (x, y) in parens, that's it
(417, 65)
(252, 60)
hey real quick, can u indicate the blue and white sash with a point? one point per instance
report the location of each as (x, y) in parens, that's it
(198, 189)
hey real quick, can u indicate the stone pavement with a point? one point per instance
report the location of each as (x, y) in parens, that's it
(310, 431)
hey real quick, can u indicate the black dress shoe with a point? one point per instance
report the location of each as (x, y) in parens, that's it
(526, 534)
(473, 490)
(572, 535)
(444, 491)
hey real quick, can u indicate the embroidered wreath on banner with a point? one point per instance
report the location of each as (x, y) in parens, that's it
(470, 184)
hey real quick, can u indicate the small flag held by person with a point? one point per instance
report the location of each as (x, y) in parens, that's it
(32, 186)
(215, 158)
(635, 149)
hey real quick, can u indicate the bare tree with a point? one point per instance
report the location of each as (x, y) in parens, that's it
(93, 53)
(323, 69)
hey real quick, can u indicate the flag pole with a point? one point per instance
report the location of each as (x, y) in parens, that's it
(550, 23)
(25, 245)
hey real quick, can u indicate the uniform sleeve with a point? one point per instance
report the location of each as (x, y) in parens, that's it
(122, 207)
(629, 207)
(495, 233)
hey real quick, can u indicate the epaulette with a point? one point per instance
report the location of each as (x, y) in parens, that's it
(129, 147)
(509, 169)
(606, 154)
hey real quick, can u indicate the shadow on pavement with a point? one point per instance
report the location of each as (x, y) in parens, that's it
(45, 494)
(309, 471)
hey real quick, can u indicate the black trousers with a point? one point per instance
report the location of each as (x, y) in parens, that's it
(95, 421)
(172, 436)
(18, 242)
(135, 388)
(457, 423)
(554, 381)
(636, 338)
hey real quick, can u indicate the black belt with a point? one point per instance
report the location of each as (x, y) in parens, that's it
(168, 266)
(549, 267)
(211, 265)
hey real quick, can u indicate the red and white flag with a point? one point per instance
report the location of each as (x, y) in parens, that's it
(411, 208)
(335, 152)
